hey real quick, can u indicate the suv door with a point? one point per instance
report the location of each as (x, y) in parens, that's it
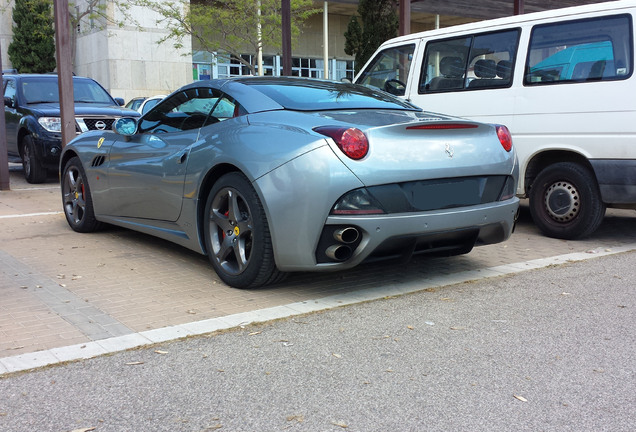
(11, 115)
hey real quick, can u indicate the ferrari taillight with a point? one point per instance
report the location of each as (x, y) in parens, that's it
(352, 141)
(504, 137)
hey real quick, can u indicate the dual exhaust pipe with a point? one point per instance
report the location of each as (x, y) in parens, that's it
(342, 250)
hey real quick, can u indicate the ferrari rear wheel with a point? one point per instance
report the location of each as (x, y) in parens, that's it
(237, 236)
(76, 198)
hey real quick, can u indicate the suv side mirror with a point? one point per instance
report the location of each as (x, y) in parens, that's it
(120, 101)
(8, 102)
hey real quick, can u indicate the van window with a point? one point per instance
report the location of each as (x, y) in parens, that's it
(469, 62)
(389, 71)
(583, 50)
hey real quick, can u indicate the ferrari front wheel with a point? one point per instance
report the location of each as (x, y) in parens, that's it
(237, 235)
(76, 198)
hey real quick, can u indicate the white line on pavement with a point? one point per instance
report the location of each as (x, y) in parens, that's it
(30, 215)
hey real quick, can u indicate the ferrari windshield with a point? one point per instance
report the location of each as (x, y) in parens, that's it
(301, 95)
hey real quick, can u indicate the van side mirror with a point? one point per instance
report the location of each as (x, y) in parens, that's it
(8, 102)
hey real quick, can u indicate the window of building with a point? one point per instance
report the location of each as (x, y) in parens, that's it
(212, 65)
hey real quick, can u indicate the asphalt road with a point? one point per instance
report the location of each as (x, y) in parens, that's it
(543, 350)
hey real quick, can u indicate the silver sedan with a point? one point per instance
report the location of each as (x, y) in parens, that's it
(273, 175)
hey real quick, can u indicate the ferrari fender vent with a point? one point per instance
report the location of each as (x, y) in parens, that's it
(98, 161)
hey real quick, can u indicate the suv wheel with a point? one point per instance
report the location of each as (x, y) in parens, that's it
(34, 172)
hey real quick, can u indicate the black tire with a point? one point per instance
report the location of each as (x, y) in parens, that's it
(34, 171)
(565, 201)
(76, 198)
(237, 235)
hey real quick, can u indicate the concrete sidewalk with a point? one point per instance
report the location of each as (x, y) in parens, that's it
(60, 288)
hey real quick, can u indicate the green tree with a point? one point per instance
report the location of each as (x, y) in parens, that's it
(228, 26)
(379, 23)
(33, 46)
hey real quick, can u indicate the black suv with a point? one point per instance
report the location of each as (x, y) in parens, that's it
(34, 126)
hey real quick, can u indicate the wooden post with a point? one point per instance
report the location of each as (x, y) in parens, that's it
(405, 17)
(286, 24)
(325, 39)
(64, 70)
(518, 7)
(4, 159)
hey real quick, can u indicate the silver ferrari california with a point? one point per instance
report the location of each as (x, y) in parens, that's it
(275, 175)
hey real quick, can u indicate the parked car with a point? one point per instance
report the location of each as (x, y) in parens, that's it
(149, 103)
(559, 79)
(135, 103)
(33, 123)
(273, 175)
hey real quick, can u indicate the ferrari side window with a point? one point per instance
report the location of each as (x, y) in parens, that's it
(185, 110)
(225, 108)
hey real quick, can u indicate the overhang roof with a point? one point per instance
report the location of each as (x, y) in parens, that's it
(422, 11)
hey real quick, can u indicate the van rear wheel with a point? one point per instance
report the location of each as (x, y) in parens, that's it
(565, 201)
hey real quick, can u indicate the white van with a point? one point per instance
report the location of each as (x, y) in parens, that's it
(563, 83)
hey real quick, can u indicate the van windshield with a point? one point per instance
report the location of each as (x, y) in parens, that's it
(389, 70)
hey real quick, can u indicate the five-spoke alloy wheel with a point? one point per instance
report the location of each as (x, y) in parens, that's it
(76, 198)
(237, 235)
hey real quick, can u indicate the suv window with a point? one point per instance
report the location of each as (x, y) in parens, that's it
(469, 62)
(10, 90)
(582, 50)
(389, 70)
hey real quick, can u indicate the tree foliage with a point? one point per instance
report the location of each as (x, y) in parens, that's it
(84, 17)
(379, 23)
(32, 49)
(229, 26)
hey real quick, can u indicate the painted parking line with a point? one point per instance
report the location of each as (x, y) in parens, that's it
(30, 215)
(35, 188)
(24, 362)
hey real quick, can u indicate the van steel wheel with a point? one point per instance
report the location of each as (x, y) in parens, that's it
(76, 198)
(237, 236)
(565, 201)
